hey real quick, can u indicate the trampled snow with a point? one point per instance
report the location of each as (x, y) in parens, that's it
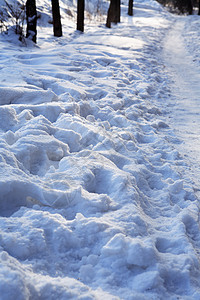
(96, 197)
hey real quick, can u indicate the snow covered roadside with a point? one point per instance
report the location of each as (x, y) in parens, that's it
(92, 203)
(182, 65)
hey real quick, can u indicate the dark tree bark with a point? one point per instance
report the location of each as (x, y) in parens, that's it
(110, 14)
(57, 26)
(190, 7)
(80, 15)
(184, 6)
(199, 8)
(118, 11)
(130, 8)
(31, 18)
(114, 13)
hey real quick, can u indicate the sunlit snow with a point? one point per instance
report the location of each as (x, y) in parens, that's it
(98, 200)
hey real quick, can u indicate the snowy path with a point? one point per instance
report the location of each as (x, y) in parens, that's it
(185, 89)
(93, 204)
(184, 107)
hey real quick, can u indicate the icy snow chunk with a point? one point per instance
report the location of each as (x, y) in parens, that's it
(10, 137)
(8, 118)
(86, 273)
(189, 218)
(35, 151)
(26, 114)
(49, 111)
(116, 245)
(119, 121)
(33, 233)
(97, 174)
(19, 189)
(76, 92)
(147, 281)
(23, 95)
(15, 186)
(177, 280)
(90, 118)
(90, 133)
(159, 124)
(85, 108)
(18, 279)
(23, 246)
(7, 157)
(176, 245)
(69, 137)
(140, 253)
(176, 187)
(131, 146)
(36, 123)
(12, 281)
(135, 251)
(92, 259)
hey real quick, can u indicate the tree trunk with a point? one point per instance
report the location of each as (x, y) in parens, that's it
(190, 7)
(114, 12)
(80, 15)
(130, 8)
(31, 18)
(118, 11)
(199, 8)
(57, 26)
(109, 14)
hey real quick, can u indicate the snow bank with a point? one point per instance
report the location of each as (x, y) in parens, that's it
(92, 202)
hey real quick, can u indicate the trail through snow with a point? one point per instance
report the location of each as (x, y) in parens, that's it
(93, 201)
(185, 96)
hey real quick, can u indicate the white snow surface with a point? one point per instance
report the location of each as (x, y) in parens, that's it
(98, 191)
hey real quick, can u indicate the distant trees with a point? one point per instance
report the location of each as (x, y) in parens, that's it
(19, 13)
(182, 6)
(190, 7)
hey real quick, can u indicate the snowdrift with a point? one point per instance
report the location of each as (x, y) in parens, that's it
(92, 202)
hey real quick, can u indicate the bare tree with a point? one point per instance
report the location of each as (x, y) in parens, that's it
(114, 13)
(13, 14)
(31, 18)
(57, 26)
(130, 7)
(180, 6)
(190, 7)
(80, 15)
(118, 11)
(110, 14)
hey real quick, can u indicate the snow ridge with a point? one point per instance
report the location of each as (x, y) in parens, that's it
(92, 203)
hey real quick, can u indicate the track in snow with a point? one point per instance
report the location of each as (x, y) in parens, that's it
(185, 108)
(185, 93)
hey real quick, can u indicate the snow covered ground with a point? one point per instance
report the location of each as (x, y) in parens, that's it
(98, 191)
(181, 59)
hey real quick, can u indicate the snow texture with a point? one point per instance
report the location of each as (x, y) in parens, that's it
(97, 199)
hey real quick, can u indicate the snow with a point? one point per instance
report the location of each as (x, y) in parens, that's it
(180, 58)
(99, 178)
